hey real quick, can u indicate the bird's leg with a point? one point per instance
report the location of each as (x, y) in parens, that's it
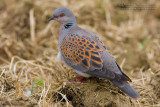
(79, 79)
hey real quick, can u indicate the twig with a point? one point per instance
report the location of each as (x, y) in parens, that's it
(32, 26)
(2, 72)
(9, 54)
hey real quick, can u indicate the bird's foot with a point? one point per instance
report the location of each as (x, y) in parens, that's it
(79, 79)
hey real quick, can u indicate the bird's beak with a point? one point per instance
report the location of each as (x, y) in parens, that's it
(52, 18)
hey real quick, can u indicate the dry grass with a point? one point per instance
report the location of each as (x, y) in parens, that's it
(31, 75)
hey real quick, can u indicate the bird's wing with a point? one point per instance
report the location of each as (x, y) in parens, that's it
(88, 54)
(81, 52)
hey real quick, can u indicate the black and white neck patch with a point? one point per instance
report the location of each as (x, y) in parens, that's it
(68, 25)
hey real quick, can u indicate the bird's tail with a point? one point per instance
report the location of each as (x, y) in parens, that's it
(126, 88)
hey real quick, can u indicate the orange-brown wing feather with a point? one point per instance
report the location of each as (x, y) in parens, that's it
(82, 50)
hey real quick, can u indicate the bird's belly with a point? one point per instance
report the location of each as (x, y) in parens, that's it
(59, 57)
(82, 74)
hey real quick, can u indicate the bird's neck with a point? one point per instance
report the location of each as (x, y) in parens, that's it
(68, 25)
(65, 29)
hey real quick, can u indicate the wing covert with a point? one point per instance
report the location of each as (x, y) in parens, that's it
(81, 51)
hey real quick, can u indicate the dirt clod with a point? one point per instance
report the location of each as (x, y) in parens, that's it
(96, 92)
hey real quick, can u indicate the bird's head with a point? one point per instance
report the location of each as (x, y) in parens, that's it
(63, 15)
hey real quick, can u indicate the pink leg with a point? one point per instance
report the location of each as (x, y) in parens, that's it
(79, 79)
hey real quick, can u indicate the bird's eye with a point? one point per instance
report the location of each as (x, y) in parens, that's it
(56, 16)
(61, 15)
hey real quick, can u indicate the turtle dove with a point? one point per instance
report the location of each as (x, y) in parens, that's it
(87, 54)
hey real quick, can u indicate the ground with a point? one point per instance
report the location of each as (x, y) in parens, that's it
(31, 75)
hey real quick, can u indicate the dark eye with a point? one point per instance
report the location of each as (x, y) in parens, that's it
(61, 15)
(56, 16)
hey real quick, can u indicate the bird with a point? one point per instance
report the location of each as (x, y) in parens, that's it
(83, 51)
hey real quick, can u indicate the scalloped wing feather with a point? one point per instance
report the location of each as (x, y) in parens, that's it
(80, 50)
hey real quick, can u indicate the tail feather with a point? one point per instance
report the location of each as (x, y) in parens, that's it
(126, 88)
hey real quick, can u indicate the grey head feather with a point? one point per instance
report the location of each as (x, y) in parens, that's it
(67, 11)
(69, 16)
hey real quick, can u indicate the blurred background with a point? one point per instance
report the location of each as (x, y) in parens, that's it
(31, 75)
